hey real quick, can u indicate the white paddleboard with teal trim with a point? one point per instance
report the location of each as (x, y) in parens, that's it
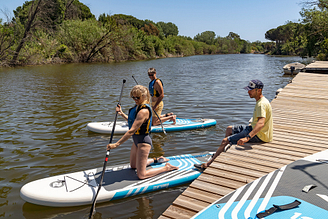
(296, 191)
(181, 125)
(79, 188)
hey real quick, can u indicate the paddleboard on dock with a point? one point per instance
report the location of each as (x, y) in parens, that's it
(296, 191)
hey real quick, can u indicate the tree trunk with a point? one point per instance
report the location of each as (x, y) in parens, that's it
(31, 19)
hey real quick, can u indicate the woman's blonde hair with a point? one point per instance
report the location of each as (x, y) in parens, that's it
(139, 90)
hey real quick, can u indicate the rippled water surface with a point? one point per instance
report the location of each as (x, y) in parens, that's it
(44, 111)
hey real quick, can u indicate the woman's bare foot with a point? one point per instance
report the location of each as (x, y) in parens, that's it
(170, 167)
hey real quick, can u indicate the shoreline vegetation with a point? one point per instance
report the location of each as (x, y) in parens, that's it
(65, 31)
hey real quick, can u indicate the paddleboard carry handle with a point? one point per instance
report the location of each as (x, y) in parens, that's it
(106, 158)
(153, 110)
(278, 208)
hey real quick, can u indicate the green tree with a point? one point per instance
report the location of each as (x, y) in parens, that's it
(53, 12)
(34, 10)
(169, 29)
(84, 38)
(122, 19)
(6, 41)
(207, 37)
(232, 36)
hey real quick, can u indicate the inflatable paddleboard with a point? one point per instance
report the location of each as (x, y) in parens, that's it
(181, 125)
(79, 188)
(296, 191)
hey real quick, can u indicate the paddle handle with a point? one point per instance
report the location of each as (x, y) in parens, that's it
(119, 103)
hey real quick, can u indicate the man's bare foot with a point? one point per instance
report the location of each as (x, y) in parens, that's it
(174, 119)
(170, 167)
(168, 114)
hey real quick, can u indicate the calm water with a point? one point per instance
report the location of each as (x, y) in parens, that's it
(45, 109)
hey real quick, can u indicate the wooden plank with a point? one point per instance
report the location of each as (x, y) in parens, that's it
(242, 163)
(306, 129)
(209, 187)
(190, 203)
(303, 120)
(293, 147)
(311, 143)
(176, 212)
(300, 133)
(229, 175)
(201, 195)
(260, 152)
(239, 169)
(261, 157)
(220, 181)
(281, 151)
(163, 217)
(306, 117)
(253, 160)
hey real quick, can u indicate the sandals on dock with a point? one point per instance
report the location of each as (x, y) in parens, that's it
(199, 166)
(227, 147)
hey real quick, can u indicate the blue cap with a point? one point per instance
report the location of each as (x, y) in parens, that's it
(254, 84)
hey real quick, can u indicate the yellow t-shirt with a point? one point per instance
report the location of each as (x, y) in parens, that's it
(263, 109)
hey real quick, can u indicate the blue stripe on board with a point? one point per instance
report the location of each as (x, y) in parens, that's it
(185, 126)
(304, 211)
(155, 187)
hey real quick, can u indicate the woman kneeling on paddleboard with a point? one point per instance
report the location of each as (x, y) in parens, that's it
(139, 120)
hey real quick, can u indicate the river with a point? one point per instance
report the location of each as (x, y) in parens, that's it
(45, 109)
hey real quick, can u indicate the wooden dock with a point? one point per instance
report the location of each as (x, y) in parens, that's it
(300, 129)
(317, 67)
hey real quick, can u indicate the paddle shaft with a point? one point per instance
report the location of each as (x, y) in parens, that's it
(153, 110)
(106, 158)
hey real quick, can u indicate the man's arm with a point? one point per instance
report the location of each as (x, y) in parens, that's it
(159, 88)
(258, 126)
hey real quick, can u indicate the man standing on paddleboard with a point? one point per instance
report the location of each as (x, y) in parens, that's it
(157, 94)
(260, 129)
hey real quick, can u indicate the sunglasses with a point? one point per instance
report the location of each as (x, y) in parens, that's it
(150, 74)
(135, 98)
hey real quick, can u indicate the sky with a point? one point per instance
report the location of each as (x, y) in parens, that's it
(250, 19)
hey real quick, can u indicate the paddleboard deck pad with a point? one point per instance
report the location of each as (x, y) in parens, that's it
(181, 125)
(302, 186)
(79, 188)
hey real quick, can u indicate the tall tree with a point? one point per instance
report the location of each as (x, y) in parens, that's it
(34, 11)
(169, 29)
(207, 37)
(6, 40)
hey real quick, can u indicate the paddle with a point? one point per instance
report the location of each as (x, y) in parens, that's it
(106, 158)
(153, 110)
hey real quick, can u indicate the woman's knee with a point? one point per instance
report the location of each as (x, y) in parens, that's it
(141, 175)
(133, 165)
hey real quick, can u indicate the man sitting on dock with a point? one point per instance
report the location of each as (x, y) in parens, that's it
(260, 129)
